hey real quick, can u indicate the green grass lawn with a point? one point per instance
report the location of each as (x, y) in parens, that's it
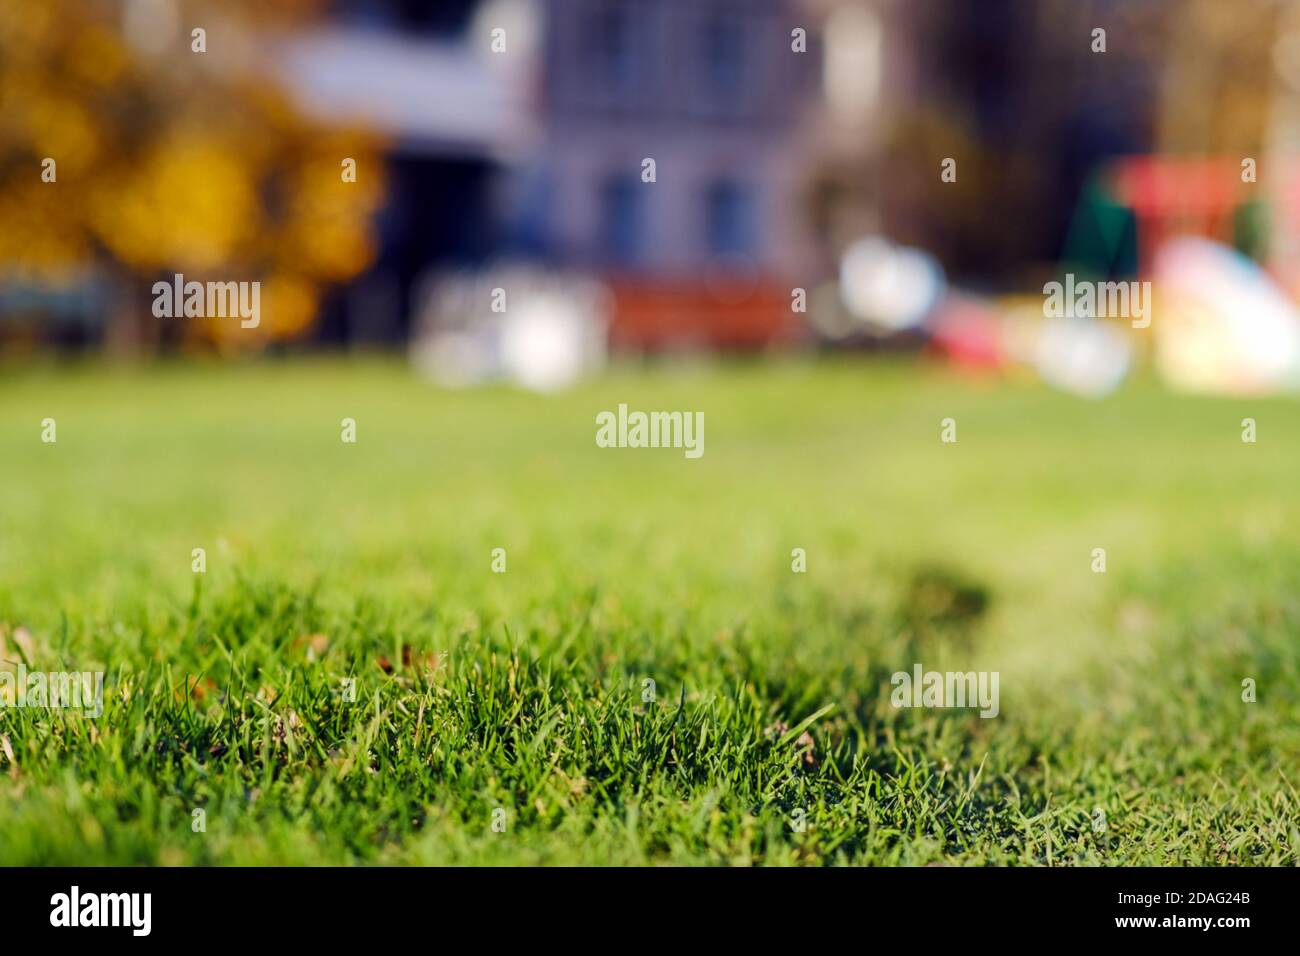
(525, 692)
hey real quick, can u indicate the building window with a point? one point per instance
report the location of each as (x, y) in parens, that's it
(609, 47)
(731, 219)
(531, 198)
(446, 17)
(725, 67)
(621, 225)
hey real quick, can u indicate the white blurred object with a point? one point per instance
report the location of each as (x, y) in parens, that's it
(151, 26)
(546, 344)
(1221, 324)
(891, 287)
(380, 80)
(852, 66)
(551, 332)
(520, 23)
(1083, 356)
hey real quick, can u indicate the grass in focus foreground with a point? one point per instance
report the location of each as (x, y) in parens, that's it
(527, 692)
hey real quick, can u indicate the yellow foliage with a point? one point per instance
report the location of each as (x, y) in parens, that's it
(191, 204)
(174, 162)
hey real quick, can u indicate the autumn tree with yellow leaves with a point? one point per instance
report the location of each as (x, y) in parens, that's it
(126, 155)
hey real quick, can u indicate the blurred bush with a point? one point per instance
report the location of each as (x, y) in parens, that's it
(171, 160)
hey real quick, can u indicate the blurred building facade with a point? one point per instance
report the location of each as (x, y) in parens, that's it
(1035, 106)
(716, 95)
(517, 132)
(536, 150)
(420, 75)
